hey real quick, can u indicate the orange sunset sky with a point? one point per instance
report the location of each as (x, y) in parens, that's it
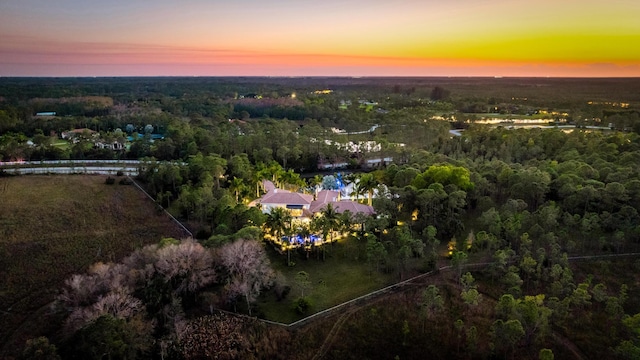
(320, 38)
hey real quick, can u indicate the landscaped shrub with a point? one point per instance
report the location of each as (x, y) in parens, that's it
(302, 305)
(125, 181)
(216, 240)
(110, 181)
(282, 291)
(280, 286)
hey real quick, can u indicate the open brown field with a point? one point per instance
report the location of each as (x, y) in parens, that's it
(54, 226)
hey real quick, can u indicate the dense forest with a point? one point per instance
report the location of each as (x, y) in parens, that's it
(526, 202)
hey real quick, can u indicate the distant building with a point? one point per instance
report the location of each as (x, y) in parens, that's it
(344, 104)
(46, 113)
(72, 134)
(371, 163)
(332, 166)
(116, 146)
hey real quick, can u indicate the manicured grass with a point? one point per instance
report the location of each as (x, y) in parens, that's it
(64, 144)
(54, 226)
(342, 276)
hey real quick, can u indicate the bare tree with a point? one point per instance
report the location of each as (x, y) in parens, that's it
(79, 290)
(84, 290)
(141, 263)
(110, 276)
(188, 266)
(249, 269)
(107, 289)
(119, 304)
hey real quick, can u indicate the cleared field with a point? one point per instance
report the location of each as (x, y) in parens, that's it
(54, 226)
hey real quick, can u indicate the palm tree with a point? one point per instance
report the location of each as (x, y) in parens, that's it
(314, 182)
(292, 180)
(327, 222)
(276, 171)
(346, 221)
(258, 176)
(367, 183)
(359, 219)
(278, 222)
(356, 189)
(317, 225)
(237, 186)
(331, 219)
(305, 232)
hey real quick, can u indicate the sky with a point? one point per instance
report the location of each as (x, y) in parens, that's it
(542, 38)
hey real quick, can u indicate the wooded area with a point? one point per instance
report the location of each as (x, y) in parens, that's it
(522, 200)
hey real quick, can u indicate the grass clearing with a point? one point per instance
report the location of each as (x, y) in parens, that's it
(55, 226)
(343, 275)
(63, 144)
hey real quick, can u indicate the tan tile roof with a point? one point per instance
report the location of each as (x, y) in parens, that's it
(268, 185)
(322, 199)
(353, 207)
(279, 196)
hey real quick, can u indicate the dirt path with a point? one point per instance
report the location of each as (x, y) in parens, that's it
(331, 337)
(569, 345)
(421, 281)
(337, 326)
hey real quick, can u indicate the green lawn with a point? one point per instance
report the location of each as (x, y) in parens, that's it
(64, 144)
(344, 275)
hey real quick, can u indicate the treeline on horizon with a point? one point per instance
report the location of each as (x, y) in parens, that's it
(194, 113)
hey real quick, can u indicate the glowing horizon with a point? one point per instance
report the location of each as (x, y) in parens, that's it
(303, 38)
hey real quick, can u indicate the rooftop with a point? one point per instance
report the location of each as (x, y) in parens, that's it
(279, 196)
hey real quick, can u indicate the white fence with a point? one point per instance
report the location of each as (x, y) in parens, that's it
(101, 167)
(70, 162)
(65, 170)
